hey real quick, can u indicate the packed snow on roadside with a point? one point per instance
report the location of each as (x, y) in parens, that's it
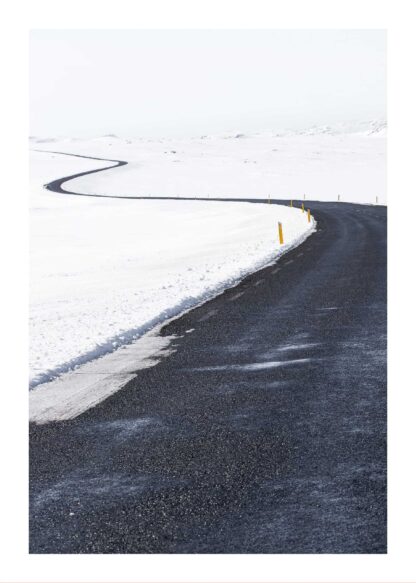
(104, 271)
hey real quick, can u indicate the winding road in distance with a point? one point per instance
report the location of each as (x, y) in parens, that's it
(56, 185)
(264, 432)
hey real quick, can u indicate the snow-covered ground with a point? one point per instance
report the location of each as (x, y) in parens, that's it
(103, 271)
(322, 163)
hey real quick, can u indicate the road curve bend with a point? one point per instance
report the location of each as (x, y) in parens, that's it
(56, 185)
(265, 430)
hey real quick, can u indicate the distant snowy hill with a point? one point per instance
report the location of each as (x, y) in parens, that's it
(363, 128)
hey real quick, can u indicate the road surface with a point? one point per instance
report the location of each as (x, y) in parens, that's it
(265, 432)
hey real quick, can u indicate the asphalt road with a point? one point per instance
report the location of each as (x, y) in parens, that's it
(265, 432)
(56, 185)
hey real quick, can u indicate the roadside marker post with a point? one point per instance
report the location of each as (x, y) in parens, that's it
(280, 234)
(309, 215)
(304, 197)
(303, 208)
(376, 199)
(291, 203)
(339, 197)
(269, 199)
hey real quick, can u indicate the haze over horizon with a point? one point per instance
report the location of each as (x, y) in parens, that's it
(182, 83)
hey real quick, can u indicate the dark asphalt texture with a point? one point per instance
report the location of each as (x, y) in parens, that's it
(265, 432)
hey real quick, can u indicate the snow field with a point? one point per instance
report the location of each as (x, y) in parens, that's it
(321, 165)
(104, 271)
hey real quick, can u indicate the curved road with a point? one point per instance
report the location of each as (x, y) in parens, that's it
(265, 432)
(56, 185)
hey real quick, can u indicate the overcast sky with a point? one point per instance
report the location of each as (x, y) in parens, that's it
(192, 82)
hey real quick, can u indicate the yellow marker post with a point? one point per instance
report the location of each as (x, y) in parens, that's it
(291, 203)
(280, 234)
(303, 208)
(309, 215)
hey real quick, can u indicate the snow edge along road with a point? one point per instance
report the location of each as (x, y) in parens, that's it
(107, 369)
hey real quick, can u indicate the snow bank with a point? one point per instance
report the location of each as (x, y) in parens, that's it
(104, 271)
(74, 392)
